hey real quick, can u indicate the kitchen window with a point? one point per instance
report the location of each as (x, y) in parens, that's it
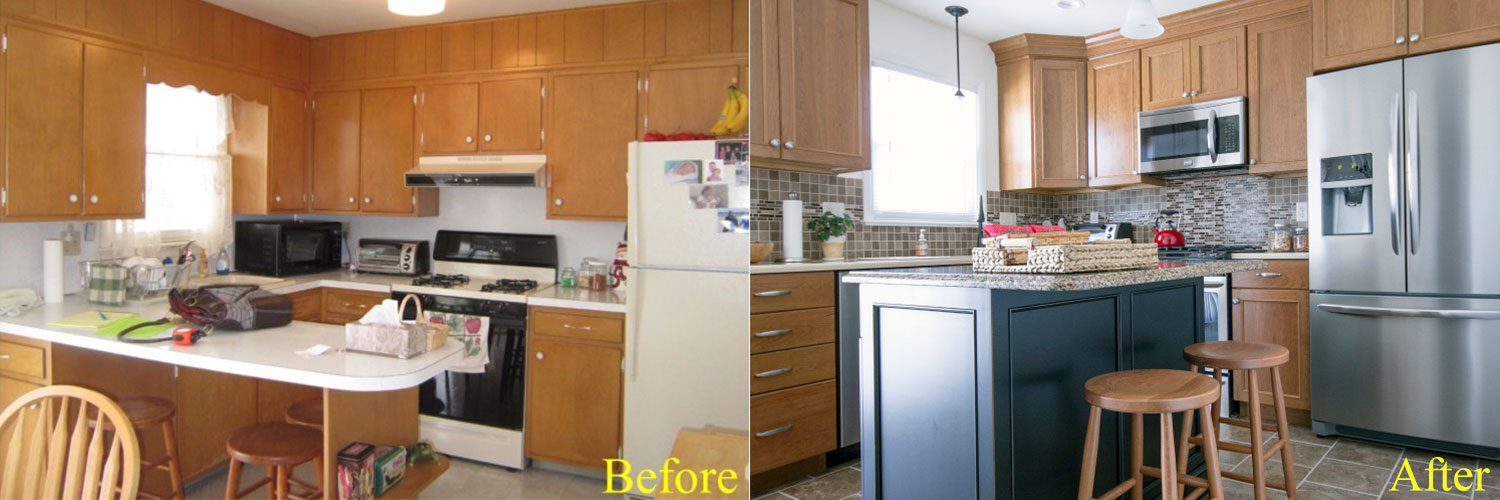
(925, 152)
(188, 175)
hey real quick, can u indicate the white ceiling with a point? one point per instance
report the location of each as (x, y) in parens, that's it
(328, 17)
(991, 20)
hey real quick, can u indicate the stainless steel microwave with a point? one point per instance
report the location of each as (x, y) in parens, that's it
(1197, 136)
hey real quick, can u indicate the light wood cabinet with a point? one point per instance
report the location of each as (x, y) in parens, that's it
(1445, 24)
(811, 93)
(114, 133)
(1043, 112)
(1202, 68)
(586, 159)
(387, 125)
(1164, 75)
(335, 151)
(450, 118)
(1279, 317)
(687, 99)
(287, 169)
(1279, 64)
(793, 377)
(1114, 106)
(510, 115)
(1354, 32)
(574, 391)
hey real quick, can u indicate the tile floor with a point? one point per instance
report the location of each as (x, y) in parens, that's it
(1326, 469)
(464, 480)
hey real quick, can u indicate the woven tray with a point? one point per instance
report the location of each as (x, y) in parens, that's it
(1063, 259)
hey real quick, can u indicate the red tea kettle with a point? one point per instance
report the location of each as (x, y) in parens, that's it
(1166, 233)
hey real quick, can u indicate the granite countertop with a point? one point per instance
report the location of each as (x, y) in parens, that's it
(852, 264)
(964, 276)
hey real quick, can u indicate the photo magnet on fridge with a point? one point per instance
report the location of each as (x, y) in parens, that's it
(732, 152)
(742, 173)
(682, 171)
(714, 171)
(708, 195)
(734, 220)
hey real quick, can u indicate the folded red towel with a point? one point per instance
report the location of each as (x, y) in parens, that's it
(1037, 228)
(993, 230)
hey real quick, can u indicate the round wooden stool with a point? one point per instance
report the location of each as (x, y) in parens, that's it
(1254, 358)
(279, 446)
(1162, 392)
(308, 412)
(145, 412)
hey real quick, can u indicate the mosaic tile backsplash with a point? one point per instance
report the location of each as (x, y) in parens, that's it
(1215, 208)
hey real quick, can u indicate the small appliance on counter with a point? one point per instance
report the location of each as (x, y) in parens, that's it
(1166, 233)
(1109, 231)
(399, 257)
(288, 247)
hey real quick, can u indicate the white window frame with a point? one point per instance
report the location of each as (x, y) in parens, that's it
(875, 217)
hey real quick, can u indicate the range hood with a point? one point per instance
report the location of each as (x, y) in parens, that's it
(487, 170)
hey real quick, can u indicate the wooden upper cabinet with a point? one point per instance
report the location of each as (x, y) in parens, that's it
(1164, 75)
(287, 166)
(386, 126)
(510, 115)
(1059, 114)
(687, 99)
(1279, 64)
(1353, 32)
(1275, 317)
(824, 79)
(561, 425)
(43, 125)
(763, 78)
(114, 132)
(1114, 106)
(336, 155)
(587, 159)
(624, 32)
(1217, 65)
(449, 118)
(583, 36)
(1435, 25)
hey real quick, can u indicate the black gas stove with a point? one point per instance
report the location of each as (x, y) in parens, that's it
(1202, 252)
(509, 286)
(441, 280)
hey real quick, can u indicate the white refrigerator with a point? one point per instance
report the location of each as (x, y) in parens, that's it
(687, 362)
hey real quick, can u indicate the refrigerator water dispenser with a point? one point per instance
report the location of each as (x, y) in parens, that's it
(1347, 187)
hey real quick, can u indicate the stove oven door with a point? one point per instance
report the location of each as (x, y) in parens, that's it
(493, 396)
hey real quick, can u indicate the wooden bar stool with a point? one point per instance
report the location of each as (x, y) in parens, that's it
(1252, 357)
(144, 413)
(279, 446)
(307, 412)
(1162, 392)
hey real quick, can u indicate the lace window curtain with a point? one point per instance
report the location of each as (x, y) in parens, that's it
(188, 175)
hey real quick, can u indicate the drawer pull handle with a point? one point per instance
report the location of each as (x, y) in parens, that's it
(571, 327)
(773, 373)
(1268, 275)
(4, 357)
(773, 333)
(775, 431)
(772, 293)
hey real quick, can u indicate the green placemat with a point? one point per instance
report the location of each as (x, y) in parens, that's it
(114, 329)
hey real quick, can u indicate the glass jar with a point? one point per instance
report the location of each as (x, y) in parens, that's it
(600, 277)
(1279, 239)
(569, 277)
(1299, 239)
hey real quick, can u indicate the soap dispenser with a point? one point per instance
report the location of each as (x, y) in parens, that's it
(922, 248)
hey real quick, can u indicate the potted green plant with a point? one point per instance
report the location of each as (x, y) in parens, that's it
(831, 227)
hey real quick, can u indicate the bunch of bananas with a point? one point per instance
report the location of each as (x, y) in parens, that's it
(734, 115)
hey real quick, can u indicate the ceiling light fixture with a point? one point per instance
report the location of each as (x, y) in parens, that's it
(415, 7)
(957, 12)
(1070, 4)
(1141, 22)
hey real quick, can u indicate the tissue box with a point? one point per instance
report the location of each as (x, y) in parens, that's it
(403, 341)
(356, 467)
(390, 467)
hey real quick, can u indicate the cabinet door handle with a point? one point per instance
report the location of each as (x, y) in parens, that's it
(1082, 177)
(1400, 40)
(468, 139)
(1194, 93)
(367, 200)
(1269, 275)
(351, 200)
(94, 199)
(584, 328)
(791, 145)
(1252, 161)
(487, 137)
(1415, 37)
(775, 143)
(773, 333)
(278, 198)
(73, 198)
(772, 293)
(557, 202)
(775, 431)
(1236, 301)
(4, 357)
(1184, 93)
(773, 373)
(539, 355)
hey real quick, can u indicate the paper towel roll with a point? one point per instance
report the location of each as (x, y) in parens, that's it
(791, 230)
(52, 271)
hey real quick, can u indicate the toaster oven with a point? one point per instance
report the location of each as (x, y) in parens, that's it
(401, 257)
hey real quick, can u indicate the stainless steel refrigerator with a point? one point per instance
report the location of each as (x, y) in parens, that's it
(1404, 182)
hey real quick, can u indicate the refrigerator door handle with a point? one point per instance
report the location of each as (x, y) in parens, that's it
(1410, 313)
(1413, 169)
(1393, 157)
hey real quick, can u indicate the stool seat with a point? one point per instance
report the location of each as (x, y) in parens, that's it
(308, 412)
(1236, 355)
(275, 443)
(1151, 391)
(143, 411)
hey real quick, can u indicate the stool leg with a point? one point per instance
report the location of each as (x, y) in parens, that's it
(1168, 461)
(230, 489)
(1090, 456)
(1183, 448)
(1211, 453)
(1137, 452)
(1257, 450)
(1286, 438)
(174, 469)
(1219, 379)
(281, 481)
(271, 482)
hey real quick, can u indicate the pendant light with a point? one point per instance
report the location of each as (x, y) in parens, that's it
(1141, 22)
(415, 7)
(957, 11)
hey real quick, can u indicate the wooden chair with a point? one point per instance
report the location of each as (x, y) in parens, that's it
(51, 452)
(1162, 392)
(144, 413)
(279, 446)
(1253, 357)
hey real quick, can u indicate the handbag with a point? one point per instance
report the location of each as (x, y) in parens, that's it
(227, 307)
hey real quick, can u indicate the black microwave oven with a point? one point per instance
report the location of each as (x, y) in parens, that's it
(287, 247)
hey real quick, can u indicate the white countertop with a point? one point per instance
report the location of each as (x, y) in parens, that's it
(550, 296)
(578, 298)
(871, 263)
(266, 354)
(1269, 256)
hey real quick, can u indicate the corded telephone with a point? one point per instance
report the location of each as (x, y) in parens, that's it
(18, 300)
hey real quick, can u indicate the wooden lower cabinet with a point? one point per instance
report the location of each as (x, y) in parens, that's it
(307, 305)
(792, 424)
(1279, 317)
(793, 371)
(574, 390)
